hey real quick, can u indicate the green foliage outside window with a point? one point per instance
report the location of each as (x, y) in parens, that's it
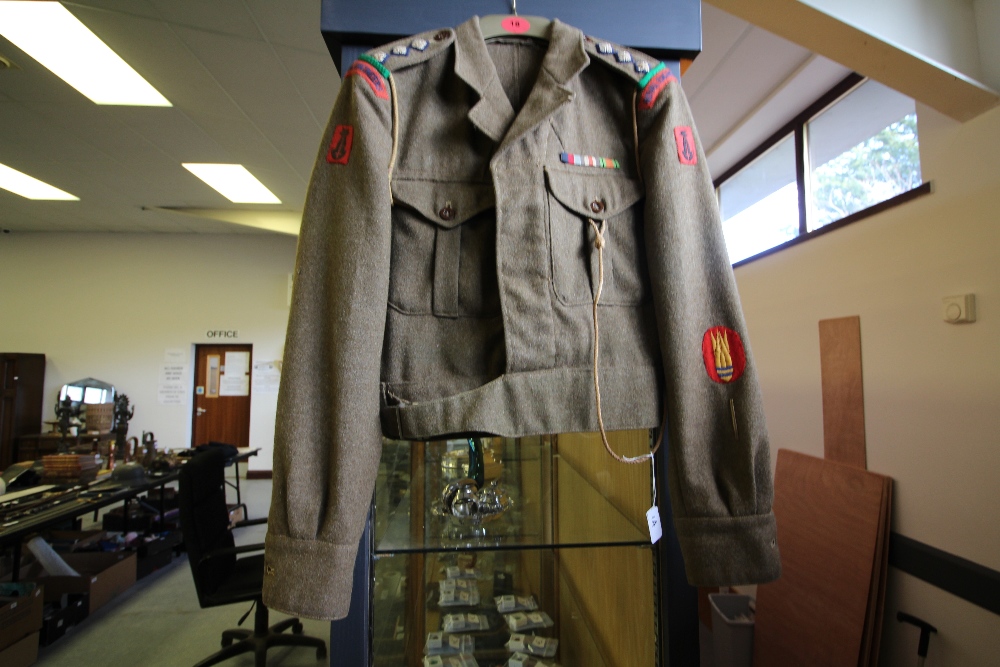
(881, 167)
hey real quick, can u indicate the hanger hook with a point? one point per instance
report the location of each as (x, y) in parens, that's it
(513, 4)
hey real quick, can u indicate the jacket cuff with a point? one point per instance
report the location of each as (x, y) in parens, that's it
(308, 577)
(729, 551)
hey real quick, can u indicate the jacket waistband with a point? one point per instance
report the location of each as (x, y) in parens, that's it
(548, 401)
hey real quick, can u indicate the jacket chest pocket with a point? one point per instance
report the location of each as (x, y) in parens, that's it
(443, 249)
(574, 199)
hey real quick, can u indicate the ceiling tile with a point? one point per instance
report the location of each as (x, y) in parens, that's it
(154, 49)
(133, 7)
(28, 141)
(299, 29)
(314, 77)
(225, 17)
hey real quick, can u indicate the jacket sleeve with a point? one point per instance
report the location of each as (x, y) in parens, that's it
(327, 435)
(718, 454)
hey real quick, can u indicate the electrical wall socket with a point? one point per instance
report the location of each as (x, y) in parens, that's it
(959, 309)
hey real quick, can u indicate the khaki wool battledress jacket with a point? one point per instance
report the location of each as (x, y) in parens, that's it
(445, 282)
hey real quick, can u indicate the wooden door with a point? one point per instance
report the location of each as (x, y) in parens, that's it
(222, 394)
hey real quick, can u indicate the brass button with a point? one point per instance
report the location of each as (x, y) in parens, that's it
(441, 36)
(597, 206)
(447, 213)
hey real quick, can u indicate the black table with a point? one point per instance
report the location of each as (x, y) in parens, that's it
(25, 516)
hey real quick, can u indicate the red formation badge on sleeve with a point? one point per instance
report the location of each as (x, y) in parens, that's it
(371, 76)
(686, 151)
(724, 356)
(340, 144)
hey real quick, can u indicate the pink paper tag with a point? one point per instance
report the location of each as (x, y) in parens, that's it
(515, 24)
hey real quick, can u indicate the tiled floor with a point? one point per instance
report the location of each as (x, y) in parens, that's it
(158, 622)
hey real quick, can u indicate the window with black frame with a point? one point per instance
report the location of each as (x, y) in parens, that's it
(849, 155)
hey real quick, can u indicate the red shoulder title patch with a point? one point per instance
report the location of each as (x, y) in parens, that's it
(725, 359)
(654, 87)
(686, 151)
(340, 144)
(371, 76)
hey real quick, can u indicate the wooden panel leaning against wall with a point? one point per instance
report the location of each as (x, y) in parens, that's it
(605, 593)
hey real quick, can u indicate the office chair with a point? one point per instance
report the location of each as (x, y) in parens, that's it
(219, 576)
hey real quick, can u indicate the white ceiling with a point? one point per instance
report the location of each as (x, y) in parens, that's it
(251, 82)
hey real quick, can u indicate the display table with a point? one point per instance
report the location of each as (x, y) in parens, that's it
(24, 515)
(35, 446)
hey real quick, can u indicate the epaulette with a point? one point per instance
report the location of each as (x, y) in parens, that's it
(650, 75)
(410, 50)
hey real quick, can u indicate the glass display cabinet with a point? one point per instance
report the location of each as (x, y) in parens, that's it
(550, 564)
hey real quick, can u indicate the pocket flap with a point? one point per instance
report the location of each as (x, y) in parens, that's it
(599, 196)
(445, 203)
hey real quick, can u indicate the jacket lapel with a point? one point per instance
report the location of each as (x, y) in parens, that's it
(493, 113)
(564, 59)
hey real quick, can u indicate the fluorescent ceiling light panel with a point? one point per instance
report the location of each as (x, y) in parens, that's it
(50, 34)
(233, 182)
(30, 188)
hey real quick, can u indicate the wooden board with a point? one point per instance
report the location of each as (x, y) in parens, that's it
(843, 391)
(828, 518)
(876, 599)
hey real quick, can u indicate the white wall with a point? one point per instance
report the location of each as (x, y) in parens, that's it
(110, 305)
(932, 389)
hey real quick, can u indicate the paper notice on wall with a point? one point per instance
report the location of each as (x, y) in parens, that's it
(171, 395)
(235, 381)
(234, 385)
(173, 385)
(237, 363)
(266, 377)
(175, 355)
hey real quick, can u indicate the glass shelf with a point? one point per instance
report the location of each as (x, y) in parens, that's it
(413, 476)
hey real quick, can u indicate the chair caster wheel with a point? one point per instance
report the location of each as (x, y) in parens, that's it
(321, 653)
(297, 629)
(227, 642)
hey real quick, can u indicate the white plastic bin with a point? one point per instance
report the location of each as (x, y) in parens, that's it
(732, 630)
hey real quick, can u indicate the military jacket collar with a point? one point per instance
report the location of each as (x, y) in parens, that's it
(493, 115)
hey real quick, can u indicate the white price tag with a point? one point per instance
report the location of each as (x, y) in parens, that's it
(655, 529)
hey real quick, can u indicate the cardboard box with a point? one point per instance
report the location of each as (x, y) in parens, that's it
(104, 576)
(21, 654)
(58, 619)
(138, 520)
(152, 562)
(150, 546)
(21, 615)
